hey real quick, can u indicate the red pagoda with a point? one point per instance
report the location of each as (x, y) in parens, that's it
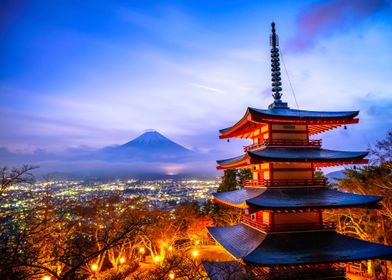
(282, 230)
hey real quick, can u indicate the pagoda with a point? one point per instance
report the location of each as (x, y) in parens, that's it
(282, 230)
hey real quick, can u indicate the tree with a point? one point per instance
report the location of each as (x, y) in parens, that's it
(64, 239)
(382, 151)
(229, 181)
(371, 224)
(244, 174)
(13, 176)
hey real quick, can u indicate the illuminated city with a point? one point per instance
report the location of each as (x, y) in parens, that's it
(162, 194)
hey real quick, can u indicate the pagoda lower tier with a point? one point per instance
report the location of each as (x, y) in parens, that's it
(318, 156)
(260, 248)
(294, 198)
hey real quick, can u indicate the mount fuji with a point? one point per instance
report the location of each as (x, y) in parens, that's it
(150, 154)
(150, 146)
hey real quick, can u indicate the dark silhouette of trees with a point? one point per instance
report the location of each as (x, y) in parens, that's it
(229, 181)
(232, 179)
(12, 176)
(376, 179)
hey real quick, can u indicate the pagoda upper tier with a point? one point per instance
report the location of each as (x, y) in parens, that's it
(319, 157)
(256, 121)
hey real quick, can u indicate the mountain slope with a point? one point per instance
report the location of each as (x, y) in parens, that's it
(150, 146)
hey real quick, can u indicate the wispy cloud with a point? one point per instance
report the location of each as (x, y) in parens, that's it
(325, 19)
(208, 88)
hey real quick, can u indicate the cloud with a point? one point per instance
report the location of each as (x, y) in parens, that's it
(208, 88)
(325, 19)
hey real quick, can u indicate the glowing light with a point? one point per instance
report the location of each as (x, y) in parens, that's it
(94, 267)
(171, 275)
(170, 248)
(142, 250)
(46, 277)
(157, 259)
(197, 242)
(195, 253)
(122, 260)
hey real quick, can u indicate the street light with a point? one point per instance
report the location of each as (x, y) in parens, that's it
(157, 259)
(141, 254)
(122, 260)
(171, 275)
(94, 267)
(195, 253)
(46, 277)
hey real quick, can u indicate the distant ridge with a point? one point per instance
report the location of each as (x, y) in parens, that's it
(150, 155)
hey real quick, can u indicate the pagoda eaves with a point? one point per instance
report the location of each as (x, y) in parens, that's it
(294, 248)
(294, 199)
(317, 121)
(319, 157)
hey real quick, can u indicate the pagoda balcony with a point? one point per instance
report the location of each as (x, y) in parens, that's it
(283, 143)
(284, 182)
(286, 227)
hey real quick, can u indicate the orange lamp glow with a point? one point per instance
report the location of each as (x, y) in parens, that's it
(94, 267)
(195, 253)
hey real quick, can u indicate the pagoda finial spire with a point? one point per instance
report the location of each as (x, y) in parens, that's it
(275, 71)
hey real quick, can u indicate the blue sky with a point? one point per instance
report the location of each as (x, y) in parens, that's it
(95, 73)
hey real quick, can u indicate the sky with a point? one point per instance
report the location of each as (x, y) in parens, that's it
(92, 73)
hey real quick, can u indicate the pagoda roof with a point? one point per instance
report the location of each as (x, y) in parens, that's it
(283, 113)
(293, 154)
(310, 198)
(319, 121)
(294, 198)
(295, 248)
(239, 197)
(239, 240)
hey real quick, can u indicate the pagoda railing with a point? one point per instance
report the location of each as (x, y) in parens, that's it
(303, 226)
(284, 182)
(283, 142)
(287, 227)
(255, 224)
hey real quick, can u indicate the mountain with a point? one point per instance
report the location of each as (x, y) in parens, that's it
(151, 146)
(154, 140)
(148, 155)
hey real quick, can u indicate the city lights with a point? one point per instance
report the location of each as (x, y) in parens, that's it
(171, 275)
(156, 193)
(46, 277)
(122, 260)
(157, 259)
